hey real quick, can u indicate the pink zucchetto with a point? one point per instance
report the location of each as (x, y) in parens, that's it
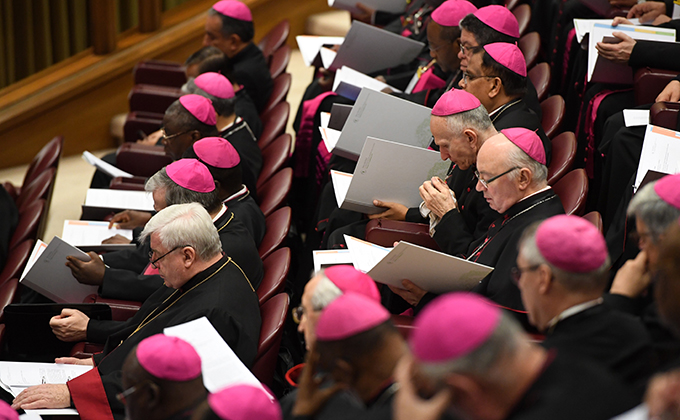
(508, 56)
(500, 19)
(169, 358)
(349, 315)
(191, 174)
(452, 326)
(233, 9)
(7, 412)
(199, 107)
(451, 12)
(215, 84)
(668, 189)
(244, 402)
(455, 101)
(528, 141)
(349, 279)
(571, 243)
(217, 152)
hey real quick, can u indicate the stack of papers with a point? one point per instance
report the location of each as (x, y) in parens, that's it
(392, 6)
(105, 167)
(349, 82)
(582, 27)
(101, 202)
(89, 235)
(330, 257)
(660, 153)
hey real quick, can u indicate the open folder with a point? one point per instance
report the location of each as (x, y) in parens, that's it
(383, 116)
(380, 175)
(430, 270)
(349, 82)
(88, 235)
(99, 202)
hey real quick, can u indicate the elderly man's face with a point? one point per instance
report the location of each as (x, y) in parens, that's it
(176, 139)
(309, 316)
(213, 34)
(502, 190)
(172, 263)
(453, 146)
(443, 50)
(477, 82)
(528, 284)
(467, 44)
(159, 202)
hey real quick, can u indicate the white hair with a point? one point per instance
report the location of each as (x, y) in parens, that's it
(325, 292)
(477, 118)
(185, 224)
(653, 211)
(518, 158)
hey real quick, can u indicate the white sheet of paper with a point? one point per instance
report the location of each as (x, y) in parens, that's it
(582, 27)
(310, 45)
(392, 6)
(349, 82)
(636, 117)
(341, 182)
(325, 118)
(328, 257)
(660, 152)
(85, 232)
(119, 199)
(641, 412)
(330, 137)
(105, 167)
(219, 364)
(327, 57)
(38, 249)
(365, 255)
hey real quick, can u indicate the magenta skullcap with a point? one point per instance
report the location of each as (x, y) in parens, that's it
(508, 56)
(200, 107)
(528, 141)
(217, 152)
(451, 12)
(500, 19)
(571, 243)
(452, 326)
(169, 358)
(191, 174)
(244, 402)
(349, 315)
(215, 84)
(7, 412)
(455, 101)
(668, 189)
(349, 279)
(233, 9)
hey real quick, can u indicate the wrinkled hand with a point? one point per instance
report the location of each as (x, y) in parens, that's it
(633, 278)
(311, 397)
(116, 239)
(363, 13)
(130, 219)
(74, 361)
(407, 405)
(71, 325)
(90, 272)
(410, 292)
(394, 211)
(663, 396)
(43, 396)
(620, 20)
(151, 139)
(647, 11)
(671, 93)
(619, 52)
(623, 3)
(437, 196)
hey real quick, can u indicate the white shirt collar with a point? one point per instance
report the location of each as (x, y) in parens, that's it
(236, 194)
(222, 211)
(573, 311)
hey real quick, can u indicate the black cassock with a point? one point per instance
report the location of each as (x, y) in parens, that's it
(237, 242)
(244, 141)
(249, 213)
(250, 69)
(344, 405)
(221, 293)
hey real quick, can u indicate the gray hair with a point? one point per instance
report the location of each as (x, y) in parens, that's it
(185, 224)
(539, 172)
(477, 119)
(653, 211)
(325, 292)
(175, 194)
(592, 281)
(224, 107)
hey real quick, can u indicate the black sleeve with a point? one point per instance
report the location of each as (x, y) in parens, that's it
(663, 55)
(623, 303)
(128, 285)
(452, 235)
(99, 331)
(385, 18)
(413, 215)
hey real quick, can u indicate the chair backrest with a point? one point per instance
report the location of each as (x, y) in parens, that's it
(279, 61)
(273, 314)
(274, 39)
(274, 157)
(649, 82)
(540, 77)
(146, 122)
(386, 232)
(277, 228)
(274, 123)
(151, 98)
(530, 45)
(8, 294)
(39, 188)
(523, 15)
(29, 220)
(280, 90)
(140, 159)
(276, 268)
(553, 110)
(572, 190)
(563, 154)
(595, 218)
(162, 73)
(16, 260)
(47, 157)
(275, 192)
(665, 114)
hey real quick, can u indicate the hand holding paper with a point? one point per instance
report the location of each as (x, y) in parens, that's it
(43, 396)
(87, 272)
(410, 292)
(395, 211)
(619, 52)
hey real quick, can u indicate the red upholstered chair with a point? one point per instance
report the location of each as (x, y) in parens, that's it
(157, 72)
(274, 39)
(572, 190)
(140, 159)
(280, 90)
(385, 232)
(8, 294)
(277, 228)
(553, 114)
(523, 15)
(274, 192)
(29, 220)
(274, 157)
(273, 314)
(595, 218)
(47, 157)
(121, 310)
(404, 324)
(530, 45)
(40, 187)
(276, 268)
(540, 78)
(274, 124)
(665, 114)
(279, 61)
(16, 260)
(137, 121)
(136, 183)
(649, 82)
(563, 154)
(151, 98)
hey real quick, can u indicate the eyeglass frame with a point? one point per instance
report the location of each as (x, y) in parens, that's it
(443, 45)
(467, 77)
(165, 137)
(473, 50)
(297, 313)
(486, 183)
(516, 272)
(153, 262)
(123, 395)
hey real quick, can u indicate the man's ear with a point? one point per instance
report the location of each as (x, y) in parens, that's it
(154, 396)
(343, 372)
(189, 256)
(524, 178)
(496, 87)
(545, 279)
(235, 42)
(472, 138)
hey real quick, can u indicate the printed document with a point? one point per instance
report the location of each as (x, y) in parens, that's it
(660, 153)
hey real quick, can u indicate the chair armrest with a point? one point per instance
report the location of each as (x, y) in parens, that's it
(386, 232)
(140, 159)
(121, 310)
(648, 83)
(665, 114)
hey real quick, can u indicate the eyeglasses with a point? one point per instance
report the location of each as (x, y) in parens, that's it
(469, 50)
(436, 48)
(485, 183)
(165, 137)
(122, 396)
(467, 77)
(516, 272)
(297, 314)
(153, 262)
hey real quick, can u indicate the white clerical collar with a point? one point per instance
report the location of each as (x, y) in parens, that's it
(222, 211)
(236, 194)
(537, 192)
(573, 311)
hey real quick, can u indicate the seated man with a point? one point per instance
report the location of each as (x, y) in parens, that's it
(199, 281)
(229, 27)
(224, 163)
(239, 402)
(485, 367)
(164, 374)
(561, 273)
